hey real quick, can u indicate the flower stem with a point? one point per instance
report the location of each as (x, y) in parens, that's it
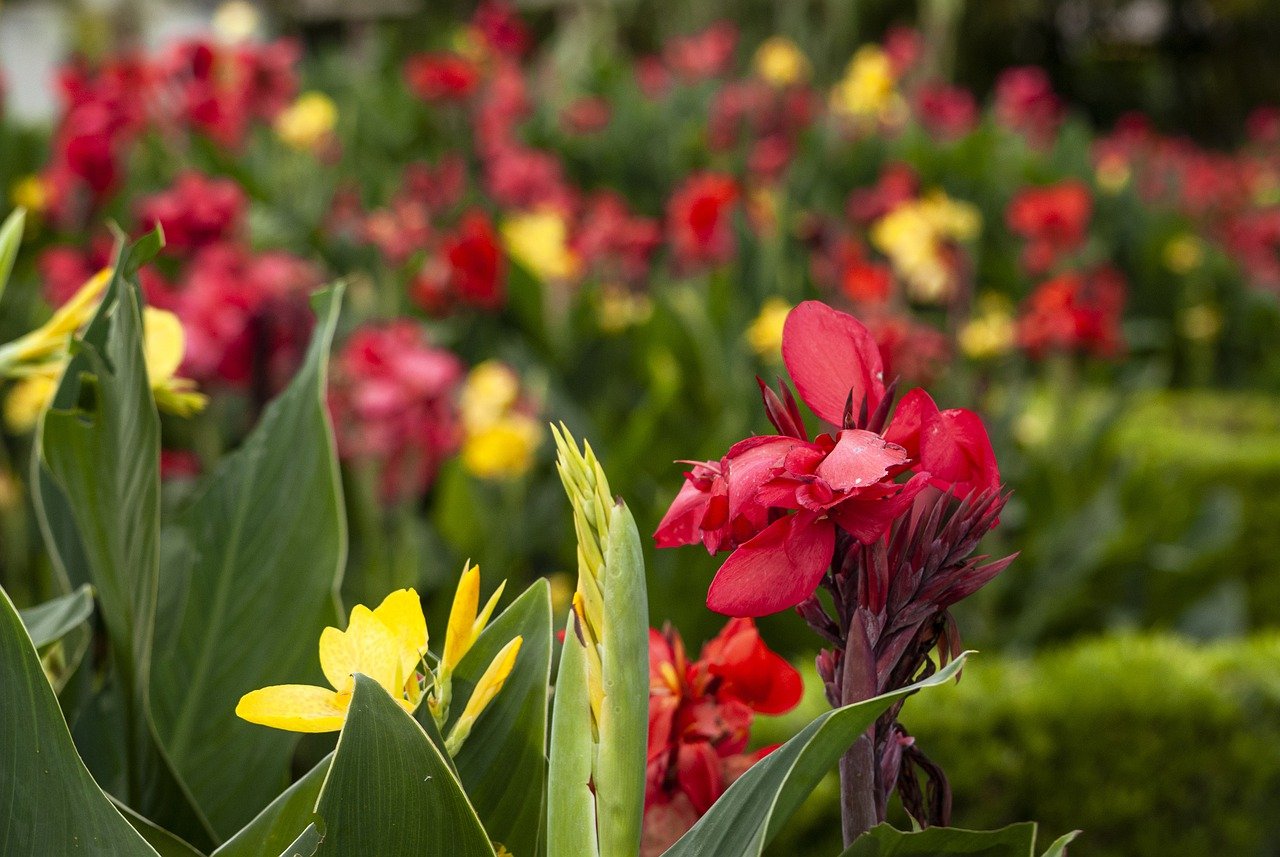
(858, 812)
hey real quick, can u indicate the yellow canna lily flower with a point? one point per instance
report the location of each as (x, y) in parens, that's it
(486, 689)
(386, 644)
(539, 240)
(49, 340)
(27, 398)
(308, 122)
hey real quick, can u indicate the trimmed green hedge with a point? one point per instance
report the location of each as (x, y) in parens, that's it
(1153, 746)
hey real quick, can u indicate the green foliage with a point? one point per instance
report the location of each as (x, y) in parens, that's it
(48, 801)
(390, 790)
(1016, 840)
(1151, 746)
(252, 569)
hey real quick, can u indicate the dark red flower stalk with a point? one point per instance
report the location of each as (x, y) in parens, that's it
(884, 513)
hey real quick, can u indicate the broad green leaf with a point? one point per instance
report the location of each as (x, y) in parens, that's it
(571, 803)
(306, 844)
(755, 807)
(164, 842)
(503, 764)
(49, 804)
(252, 569)
(10, 241)
(1016, 840)
(100, 441)
(390, 792)
(283, 820)
(51, 621)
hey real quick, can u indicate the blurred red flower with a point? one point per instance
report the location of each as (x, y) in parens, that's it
(703, 55)
(946, 112)
(699, 221)
(1054, 219)
(1026, 102)
(1075, 312)
(441, 76)
(196, 211)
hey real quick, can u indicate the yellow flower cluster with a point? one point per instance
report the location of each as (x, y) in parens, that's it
(539, 241)
(868, 92)
(500, 439)
(35, 360)
(1183, 253)
(308, 122)
(779, 62)
(389, 645)
(915, 235)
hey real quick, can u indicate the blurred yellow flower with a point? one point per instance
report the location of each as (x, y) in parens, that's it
(504, 449)
(490, 390)
(164, 344)
(307, 122)
(764, 335)
(991, 332)
(914, 236)
(619, 308)
(779, 62)
(1183, 253)
(539, 240)
(499, 440)
(48, 342)
(26, 399)
(869, 89)
(29, 192)
(236, 21)
(562, 586)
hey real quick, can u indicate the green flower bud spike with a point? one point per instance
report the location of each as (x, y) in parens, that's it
(601, 715)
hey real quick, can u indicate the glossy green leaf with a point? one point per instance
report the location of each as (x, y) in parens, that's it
(51, 621)
(10, 241)
(503, 764)
(100, 443)
(571, 803)
(1059, 846)
(49, 804)
(1016, 840)
(390, 792)
(282, 822)
(252, 569)
(755, 807)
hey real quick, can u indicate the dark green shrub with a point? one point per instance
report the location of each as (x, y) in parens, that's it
(1152, 746)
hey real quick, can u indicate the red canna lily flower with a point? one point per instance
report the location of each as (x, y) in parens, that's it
(779, 502)
(700, 716)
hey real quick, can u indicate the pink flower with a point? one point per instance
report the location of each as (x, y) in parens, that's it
(702, 55)
(195, 212)
(1026, 102)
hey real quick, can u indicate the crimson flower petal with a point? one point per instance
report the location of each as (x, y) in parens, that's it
(680, 525)
(860, 458)
(955, 449)
(748, 670)
(778, 568)
(829, 355)
(699, 775)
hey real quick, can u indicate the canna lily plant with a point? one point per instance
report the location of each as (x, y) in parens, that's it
(205, 616)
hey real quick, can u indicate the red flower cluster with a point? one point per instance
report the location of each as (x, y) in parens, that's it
(1053, 219)
(392, 398)
(779, 502)
(441, 76)
(468, 269)
(219, 90)
(700, 716)
(1075, 312)
(195, 211)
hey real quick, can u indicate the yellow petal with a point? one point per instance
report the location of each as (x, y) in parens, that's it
(367, 646)
(401, 611)
(295, 707)
(164, 344)
(493, 679)
(27, 398)
(462, 616)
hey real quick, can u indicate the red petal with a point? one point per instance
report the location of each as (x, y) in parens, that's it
(699, 776)
(749, 464)
(915, 410)
(956, 451)
(867, 518)
(680, 525)
(750, 671)
(860, 458)
(830, 354)
(777, 569)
